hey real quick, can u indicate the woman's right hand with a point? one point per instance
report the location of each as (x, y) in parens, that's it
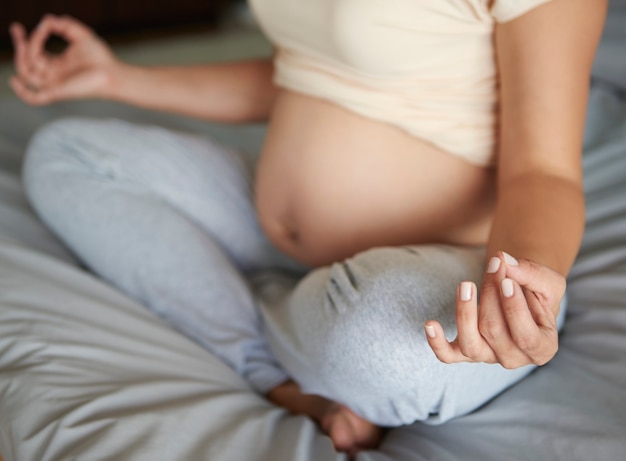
(83, 70)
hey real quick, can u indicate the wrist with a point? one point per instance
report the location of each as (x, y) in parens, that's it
(115, 81)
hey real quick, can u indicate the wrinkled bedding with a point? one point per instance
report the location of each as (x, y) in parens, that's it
(88, 374)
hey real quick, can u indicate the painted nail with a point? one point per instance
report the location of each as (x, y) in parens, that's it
(494, 265)
(466, 291)
(510, 260)
(430, 330)
(507, 288)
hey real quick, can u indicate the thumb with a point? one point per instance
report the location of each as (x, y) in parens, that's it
(534, 276)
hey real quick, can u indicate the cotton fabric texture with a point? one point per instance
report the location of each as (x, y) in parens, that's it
(424, 66)
(168, 218)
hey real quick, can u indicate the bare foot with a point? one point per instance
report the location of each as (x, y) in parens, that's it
(349, 432)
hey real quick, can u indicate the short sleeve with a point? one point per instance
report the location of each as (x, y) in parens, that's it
(506, 10)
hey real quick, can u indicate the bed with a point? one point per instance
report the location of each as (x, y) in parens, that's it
(88, 374)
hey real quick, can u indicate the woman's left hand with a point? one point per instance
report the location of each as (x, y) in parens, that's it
(515, 322)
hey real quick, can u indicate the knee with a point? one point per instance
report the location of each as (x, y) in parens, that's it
(61, 131)
(64, 142)
(381, 298)
(374, 347)
(48, 143)
(377, 306)
(395, 284)
(358, 326)
(53, 150)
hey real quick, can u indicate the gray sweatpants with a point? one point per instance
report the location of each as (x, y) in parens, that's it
(169, 219)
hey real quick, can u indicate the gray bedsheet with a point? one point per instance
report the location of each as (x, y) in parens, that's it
(87, 374)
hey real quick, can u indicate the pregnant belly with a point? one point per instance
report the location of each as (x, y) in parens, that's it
(331, 183)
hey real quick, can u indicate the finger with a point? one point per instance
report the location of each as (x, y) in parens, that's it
(492, 324)
(469, 339)
(539, 343)
(65, 26)
(496, 334)
(28, 71)
(536, 277)
(491, 321)
(49, 72)
(22, 90)
(446, 352)
(32, 96)
(544, 313)
(524, 330)
(37, 42)
(18, 35)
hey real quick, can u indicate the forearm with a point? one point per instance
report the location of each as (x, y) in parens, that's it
(540, 217)
(228, 92)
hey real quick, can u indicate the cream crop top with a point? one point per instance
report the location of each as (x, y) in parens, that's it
(425, 66)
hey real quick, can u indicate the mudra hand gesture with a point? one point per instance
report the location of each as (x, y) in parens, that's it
(82, 70)
(514, 321)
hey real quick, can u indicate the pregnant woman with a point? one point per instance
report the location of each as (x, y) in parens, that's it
(422, 163)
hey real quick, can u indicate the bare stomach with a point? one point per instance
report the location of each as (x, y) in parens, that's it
(331, 183)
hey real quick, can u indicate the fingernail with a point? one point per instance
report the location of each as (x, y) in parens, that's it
(510, 260)
(466, 291)
(507, 288)
(430, 330)
(494, 265)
